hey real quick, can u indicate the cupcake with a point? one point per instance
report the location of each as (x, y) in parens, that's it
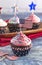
(20, 44)
(3, 27)
(35, 20)
(13, 24)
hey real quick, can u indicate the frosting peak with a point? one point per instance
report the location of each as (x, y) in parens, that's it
(21, 40)
(2, 23)
(34, 18)
(14, 20)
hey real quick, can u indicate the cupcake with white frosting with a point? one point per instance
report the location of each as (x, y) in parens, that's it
(21, 44)
(13, 24)
(3, 27)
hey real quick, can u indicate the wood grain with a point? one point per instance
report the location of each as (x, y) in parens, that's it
(26, 32)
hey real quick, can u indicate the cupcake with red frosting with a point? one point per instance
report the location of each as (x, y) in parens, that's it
(35, 20)
(21, 44)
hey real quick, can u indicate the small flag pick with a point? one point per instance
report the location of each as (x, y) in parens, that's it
(16, 9)
(32, 6)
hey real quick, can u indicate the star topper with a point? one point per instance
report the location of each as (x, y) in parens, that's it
(32, 6)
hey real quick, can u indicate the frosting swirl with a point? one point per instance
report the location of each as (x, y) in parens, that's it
(14, 20)
(34, 18)
(2, 23)
(21, 40)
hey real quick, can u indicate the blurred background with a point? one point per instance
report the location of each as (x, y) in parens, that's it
(7, 8)
(22, 4)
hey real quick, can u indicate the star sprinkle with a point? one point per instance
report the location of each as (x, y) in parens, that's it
(32, 6)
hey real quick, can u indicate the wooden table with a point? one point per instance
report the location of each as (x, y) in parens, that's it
(26, 32)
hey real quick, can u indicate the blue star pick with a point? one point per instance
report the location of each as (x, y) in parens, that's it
(32, 6)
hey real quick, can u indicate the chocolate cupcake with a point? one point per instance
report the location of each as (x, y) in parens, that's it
(21, 44)
(13, 24)
(35, 20)
(3, 27)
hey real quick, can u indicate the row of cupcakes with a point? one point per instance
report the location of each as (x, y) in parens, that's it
(31, 22)
(13, 25)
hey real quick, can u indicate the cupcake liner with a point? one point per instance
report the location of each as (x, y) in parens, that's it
(13, 27)
(35, 25)
(21, 53)
(4, 30)
(21, 50)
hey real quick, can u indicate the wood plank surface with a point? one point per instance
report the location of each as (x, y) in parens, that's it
(39, 29)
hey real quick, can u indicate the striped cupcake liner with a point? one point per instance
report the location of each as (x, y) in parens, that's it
(21, 50)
